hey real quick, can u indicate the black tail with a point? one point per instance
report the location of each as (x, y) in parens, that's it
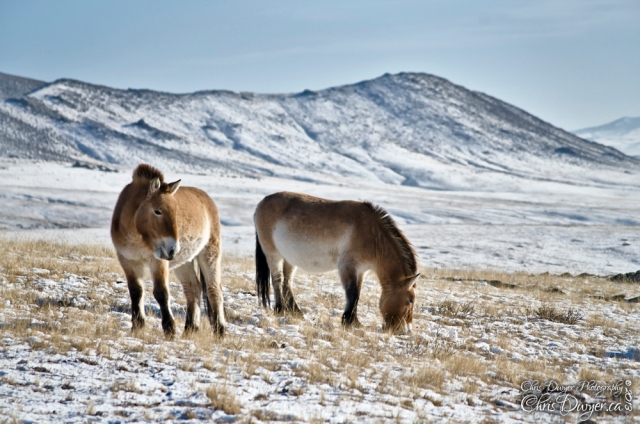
(207, 305)
(263, 275)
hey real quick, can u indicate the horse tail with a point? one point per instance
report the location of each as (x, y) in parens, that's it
(263, 275)
(205, 295)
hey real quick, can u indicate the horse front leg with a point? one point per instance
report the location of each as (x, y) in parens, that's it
(160, 273)
(352, 283)
(134, 272)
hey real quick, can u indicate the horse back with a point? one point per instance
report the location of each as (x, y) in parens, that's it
(299, 225)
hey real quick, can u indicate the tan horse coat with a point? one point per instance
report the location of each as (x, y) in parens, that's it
(317, 235)
(160, 226)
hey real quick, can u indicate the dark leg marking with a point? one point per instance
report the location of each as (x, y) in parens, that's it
(136, 291)
(190, 324)
(162, 297)
(350, 316)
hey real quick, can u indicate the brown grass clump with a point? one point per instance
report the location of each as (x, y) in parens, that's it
(223, 398)
(464, 364)
(427, 376)
(550, 313)
(454, 309)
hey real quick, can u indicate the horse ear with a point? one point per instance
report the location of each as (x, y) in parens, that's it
(173, 187)
(411, 281)
(154, 185)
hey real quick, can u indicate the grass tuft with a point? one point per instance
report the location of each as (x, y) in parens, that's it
(550, 313)
(223, 398)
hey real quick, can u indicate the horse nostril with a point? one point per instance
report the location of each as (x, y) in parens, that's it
(172, 252)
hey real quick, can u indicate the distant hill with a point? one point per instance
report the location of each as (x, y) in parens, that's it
(623, 134)
(14, 86)
(409, 128)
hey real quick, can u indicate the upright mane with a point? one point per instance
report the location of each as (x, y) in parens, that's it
(402, 245)
(145, 173)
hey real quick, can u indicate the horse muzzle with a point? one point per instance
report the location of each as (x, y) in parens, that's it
(166, 249)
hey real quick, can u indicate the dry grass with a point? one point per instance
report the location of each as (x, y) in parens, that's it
(599, 320)
(21, 256)
(464, 364)
(455, 309)
(407, 366)
(427, 376)
(545, 287)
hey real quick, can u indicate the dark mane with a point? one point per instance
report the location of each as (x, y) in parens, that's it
(145, 173)
(404, 248)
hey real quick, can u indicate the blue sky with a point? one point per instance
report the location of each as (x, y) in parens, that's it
(574, 63)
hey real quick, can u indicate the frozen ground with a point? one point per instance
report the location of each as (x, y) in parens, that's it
(67, 353)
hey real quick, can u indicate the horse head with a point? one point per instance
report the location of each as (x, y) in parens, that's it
(396, 304)
(156, 219)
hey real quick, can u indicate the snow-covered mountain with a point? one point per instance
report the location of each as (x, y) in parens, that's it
(408, 128)
(623, 134)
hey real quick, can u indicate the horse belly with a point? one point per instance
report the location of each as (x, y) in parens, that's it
(309, 253)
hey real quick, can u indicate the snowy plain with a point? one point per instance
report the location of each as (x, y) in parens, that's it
(544, 227)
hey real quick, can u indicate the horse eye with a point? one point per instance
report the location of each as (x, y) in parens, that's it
(158, 212)
(411, 301)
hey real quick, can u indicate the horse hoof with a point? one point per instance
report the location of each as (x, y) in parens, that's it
(219, 330)
(189, 330)
(351, 324)
(137, 323)
(169, 330)
(296, 311)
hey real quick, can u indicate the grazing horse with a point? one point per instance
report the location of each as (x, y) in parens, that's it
(155, 226)
(318, 235)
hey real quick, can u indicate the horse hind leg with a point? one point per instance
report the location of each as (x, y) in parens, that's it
(187, 274)
(289, 303)
(352, 283)
(276, 267)
(209, 263)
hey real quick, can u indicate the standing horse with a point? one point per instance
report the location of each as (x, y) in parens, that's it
(159, 227)
(318, 235)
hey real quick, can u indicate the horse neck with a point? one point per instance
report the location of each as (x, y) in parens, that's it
(389, 266)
